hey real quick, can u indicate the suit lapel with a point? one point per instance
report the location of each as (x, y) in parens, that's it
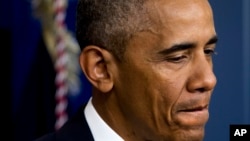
(76, 129)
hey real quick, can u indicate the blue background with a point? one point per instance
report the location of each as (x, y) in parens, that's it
(230, 104)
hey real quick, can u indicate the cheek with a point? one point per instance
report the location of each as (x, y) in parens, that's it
(169, 91)
(170, 83)
(152, 89)
(159, 94)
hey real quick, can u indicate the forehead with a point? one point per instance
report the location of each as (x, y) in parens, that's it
(181, 7)
(163, 12)
(181, 19)
(175, 22)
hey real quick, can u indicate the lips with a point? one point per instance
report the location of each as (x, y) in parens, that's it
(195, 115)
(194, 109)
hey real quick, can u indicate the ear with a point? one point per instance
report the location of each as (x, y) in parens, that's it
(94, 62)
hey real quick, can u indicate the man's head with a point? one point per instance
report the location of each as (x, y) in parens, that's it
(110, 24)
(150, 63)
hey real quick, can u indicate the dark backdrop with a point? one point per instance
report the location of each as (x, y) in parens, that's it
(28, 114)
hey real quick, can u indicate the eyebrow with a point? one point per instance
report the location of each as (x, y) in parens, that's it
(213, 40)
(185, 46)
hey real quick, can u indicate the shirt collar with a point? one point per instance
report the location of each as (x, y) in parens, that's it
(100, 130)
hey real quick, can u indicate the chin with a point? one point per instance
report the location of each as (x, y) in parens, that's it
(194, 134)
(185, 134)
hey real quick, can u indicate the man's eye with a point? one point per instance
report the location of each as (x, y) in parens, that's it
(177, 59)
(210, 52)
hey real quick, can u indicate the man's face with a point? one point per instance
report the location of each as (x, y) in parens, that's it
(165, 82)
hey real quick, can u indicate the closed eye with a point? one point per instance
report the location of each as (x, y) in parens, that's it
(210, 52)
(176, 59)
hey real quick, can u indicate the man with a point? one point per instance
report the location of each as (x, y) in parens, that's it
(150, 64)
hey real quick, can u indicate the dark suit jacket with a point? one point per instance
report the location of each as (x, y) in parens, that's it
(75, 129)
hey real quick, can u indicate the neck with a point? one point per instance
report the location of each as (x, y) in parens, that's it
(108, 108)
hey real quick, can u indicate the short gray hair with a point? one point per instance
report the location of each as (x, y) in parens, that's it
(109, 24)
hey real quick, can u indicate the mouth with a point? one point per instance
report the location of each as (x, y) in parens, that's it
(193, 116)
(194, 109)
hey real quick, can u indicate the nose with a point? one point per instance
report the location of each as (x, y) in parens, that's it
(202, 77)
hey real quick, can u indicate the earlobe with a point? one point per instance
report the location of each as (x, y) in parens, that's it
(93, 62)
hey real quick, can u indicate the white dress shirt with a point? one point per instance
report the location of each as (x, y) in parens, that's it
(99, 129)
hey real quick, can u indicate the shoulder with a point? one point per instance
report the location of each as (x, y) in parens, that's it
(47, 137)
(74, 129)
